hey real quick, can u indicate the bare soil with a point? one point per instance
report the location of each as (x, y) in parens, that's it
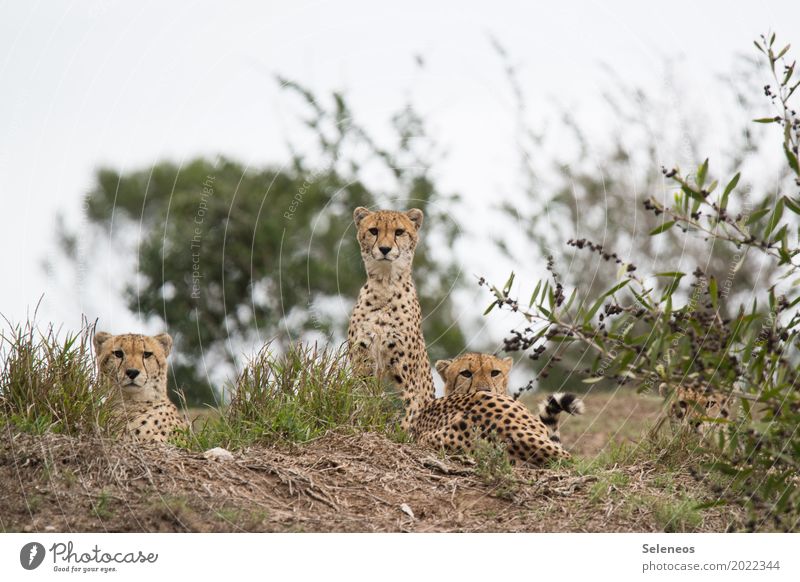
(344, 483)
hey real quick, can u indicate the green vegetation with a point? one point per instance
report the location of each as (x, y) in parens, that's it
(653, 331)
(295, 397)
(227, 254)
(48, 384)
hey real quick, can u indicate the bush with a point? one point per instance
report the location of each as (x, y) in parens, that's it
(652, 331)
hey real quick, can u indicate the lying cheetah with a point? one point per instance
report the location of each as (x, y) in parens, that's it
(489, 373)
(476, 404)
(702, 408)
(137, 366)
(385, 334)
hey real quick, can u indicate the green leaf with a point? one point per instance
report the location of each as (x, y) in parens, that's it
(731, 185)
(491, 306)
(673, 285)
(672, 274)
(701, 173)
(791, 205)
(692, 194)
(568, 304)
(792, 159)
(756, 216)
(535, 293)
(713, 292)
(594, 380)
(767, 120)
(777, 213)
(662, 228)
(509, 282)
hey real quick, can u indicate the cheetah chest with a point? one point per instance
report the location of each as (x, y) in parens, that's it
(387, 328)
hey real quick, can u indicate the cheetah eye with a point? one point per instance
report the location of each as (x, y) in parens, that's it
(399, 232)
(495, 373)
(466, 373)
(147, 354)
(373, 231)
(118, 353)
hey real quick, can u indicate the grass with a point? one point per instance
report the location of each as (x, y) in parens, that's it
(102, 507)
(296, 397)
(49, 384)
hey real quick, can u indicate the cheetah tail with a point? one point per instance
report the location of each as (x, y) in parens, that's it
(555, 404)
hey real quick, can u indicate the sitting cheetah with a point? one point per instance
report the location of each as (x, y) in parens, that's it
(702, 408)
(385, 334)
(476, 404)
(137, 366)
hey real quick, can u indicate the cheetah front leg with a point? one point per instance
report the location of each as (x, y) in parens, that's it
(361, 354)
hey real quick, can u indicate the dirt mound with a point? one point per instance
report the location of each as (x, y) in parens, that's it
(361, 482)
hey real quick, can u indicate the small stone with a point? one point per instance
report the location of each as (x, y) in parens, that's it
(218, 454)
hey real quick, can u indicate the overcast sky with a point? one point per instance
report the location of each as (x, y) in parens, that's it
(127, 84)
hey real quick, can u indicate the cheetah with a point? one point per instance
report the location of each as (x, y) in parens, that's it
(700, 408)
(385, 332)
(476, 405)
(137, 367)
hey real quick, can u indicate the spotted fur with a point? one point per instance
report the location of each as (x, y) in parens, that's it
(385, 333)
(477, 405)
(137, 367)
(551, 407)
(697, 407)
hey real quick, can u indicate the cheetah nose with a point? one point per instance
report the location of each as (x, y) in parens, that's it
(385, 250)
(131, 373)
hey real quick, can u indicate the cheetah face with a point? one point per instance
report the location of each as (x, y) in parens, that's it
(387, 238)
(692, 406)
(136, 364)
(475, 373)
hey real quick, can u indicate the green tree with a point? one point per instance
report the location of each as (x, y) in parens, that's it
(230, 257)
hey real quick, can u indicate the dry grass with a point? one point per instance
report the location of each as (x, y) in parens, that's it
(352, 482)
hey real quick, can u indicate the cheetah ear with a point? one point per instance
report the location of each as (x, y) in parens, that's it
(100, 338)
(166, 342)
(416, 216)
(360, 214)
(441, 366)
(508, 363)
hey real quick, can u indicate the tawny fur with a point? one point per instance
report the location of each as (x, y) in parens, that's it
(477, 405)
(137, 367)
(693, 405)
(385, 333)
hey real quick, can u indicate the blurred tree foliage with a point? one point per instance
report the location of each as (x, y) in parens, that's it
(229, 257)
(581, 189)
(655, 327)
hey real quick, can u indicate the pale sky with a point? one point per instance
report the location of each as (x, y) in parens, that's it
(127, 84)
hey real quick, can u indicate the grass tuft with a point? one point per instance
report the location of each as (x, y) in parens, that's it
(48, 384)
(296, 397)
